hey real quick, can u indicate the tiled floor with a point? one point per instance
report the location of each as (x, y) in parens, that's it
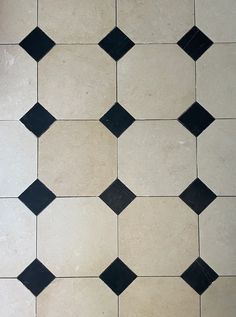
(117, 158)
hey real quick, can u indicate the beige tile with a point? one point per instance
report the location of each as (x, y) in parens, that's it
(146, 244)
(15, 299)
(149, 84)
(72, 297)
(217, 233)
(220, 299)
(77, 237)
(77, 158)
(216, 80)
(157, 158)
(77, 82)
(84, 21)
(217, 157)
(18, 90)
(149, 297)
(17, 19)
(18, 149)
(159, 21)
(217, 19)
(18, 237)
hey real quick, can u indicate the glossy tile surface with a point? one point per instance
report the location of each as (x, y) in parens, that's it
(90, 228)
(156, 158)
(149, 84)
(144, 223)
(77, 158)
(18, 82)
(77, 82)
(117, 158)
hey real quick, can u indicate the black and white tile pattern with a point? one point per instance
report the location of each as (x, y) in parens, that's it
(117, 158)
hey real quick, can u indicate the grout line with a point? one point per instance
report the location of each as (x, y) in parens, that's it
(194, 11)
(200, 305)
(36, 307)
(37, 12)
(77, 277)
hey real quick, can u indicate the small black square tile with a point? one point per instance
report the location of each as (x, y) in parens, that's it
(37, 119)
(118, 276)
(196, 119)
(199, 276)
(117, 196)
(195, 43)
(36, 277)
(37, 197)
(116, 44)
(37, 44)
(197, 196)
(117, 119)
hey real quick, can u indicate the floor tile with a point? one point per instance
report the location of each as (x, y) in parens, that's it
(199, 275)
(77, 82)
(216, 80)
(217, 19)
(217, 157)
(158, 21)
(16, 300)
(88, 296)
(84, 21)
(18, 237)
(149, 85)
(18, 91)
(18, 150)
(17, 18)
(170, 297)
(90, 230)
(217, 234)
(156, 158)
(37, 44)
(118, 276)
(77, 158)
(116, 44)
(220, 299)
(195, 43)
(36, 277)
(146, 244)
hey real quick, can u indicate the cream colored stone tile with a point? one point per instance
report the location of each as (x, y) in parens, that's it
(149, 297)
(158, 236)
(156, 81)
(86, 297)
(18, 89)
(77, 158)
(216, 80)
(18, 237)
(217, 157)
(217, 233)
(15, 299)
(217, 19)
(220, 299)
(77, 237)
(157, 158)
(77, 82)
(160, 21)
(84, 21)
(18, 150)
(17, 19)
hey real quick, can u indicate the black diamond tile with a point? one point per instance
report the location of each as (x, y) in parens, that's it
(117, 196)
(36, 277)
(197, 196)
(196, 119)
(118, 276)
(116, 44)
(195, 43)
(199, 276)
(37, 119)
(117, 119)
(37, 197)
(37, 44)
